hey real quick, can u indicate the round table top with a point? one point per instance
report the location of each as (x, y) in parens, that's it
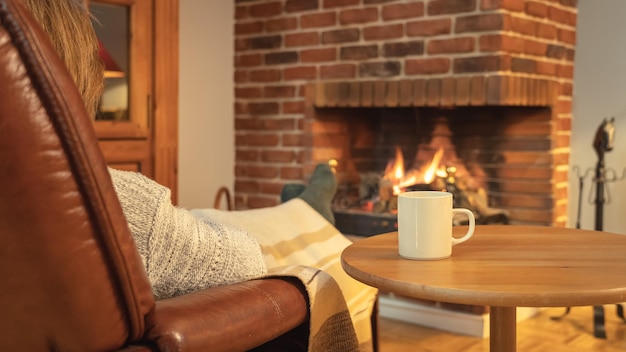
(501, 265)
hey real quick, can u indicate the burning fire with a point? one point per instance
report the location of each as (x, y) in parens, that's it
(400, 180)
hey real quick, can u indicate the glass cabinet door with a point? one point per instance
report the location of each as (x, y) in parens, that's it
(123, 29)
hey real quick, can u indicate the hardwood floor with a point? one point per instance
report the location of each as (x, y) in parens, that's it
(573, 333)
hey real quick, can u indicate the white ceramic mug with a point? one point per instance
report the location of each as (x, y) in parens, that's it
(425, 225)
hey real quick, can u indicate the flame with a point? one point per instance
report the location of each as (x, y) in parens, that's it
(395, 172)
(429, 175)
(395, 167)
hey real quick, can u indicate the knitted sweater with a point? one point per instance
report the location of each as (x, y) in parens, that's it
(180, 252)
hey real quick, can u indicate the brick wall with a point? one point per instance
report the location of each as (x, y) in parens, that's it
(296, 57)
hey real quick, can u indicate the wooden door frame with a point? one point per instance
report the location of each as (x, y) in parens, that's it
(165, 102)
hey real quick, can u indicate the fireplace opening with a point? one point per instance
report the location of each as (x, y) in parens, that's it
(498, 159)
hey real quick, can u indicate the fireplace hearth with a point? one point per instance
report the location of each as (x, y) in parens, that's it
(350, 80)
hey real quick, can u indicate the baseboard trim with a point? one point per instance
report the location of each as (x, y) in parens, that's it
(414, 312)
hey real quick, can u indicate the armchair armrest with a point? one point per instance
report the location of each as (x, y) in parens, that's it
(233, 317)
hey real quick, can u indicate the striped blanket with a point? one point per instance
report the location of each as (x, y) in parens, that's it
(297, 241)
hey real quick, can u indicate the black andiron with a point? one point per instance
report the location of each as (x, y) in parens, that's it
(602, 143)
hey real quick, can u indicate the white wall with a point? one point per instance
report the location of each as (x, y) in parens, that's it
(599, 92)
(206, 155)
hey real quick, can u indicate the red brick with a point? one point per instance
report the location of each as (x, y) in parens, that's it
(482, 64)
(301, 39)
(294, 107)
(427, 66)
(546, 31)
(302, 90)
(375, 2)
(249, 27)
(498, 42)
(279, 91)
(291, 173)
(565, 71)
(358, 52)
(546, 68)
(241, 44)
(248, 92)
(265, 76)
(352, 16)
(317, 20)
(292, 140)
(567, 89)
(403, 11)
(281, 24)
(438, 7)
(278, 156)
(248, 60)
(267, 9)
(393, 31)
(564, 124)
(561, 141)
(267, 108)
(537, 9)
(265, 42)
(271, 187)
(246, 186)
(479, 23)
(563, 106)
(524, 26)
(318, 55)
(301, 5)
(428, 28)
(339, 3)
(403, 48)
(533, 47)
(241, 107)
(241, 76)
(562, 16)
(243, 124)
(448, 46)
(567, 36)
(338, 71)
(280, 58)
(303, 72)
(523, 65)
(304, 156)
(341, 36)
(278, 124)
(257, 139)
(512, 5)
(240, 140)
(246, 155)
(242, 12)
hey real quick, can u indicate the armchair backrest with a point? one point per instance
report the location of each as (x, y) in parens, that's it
(71, 278)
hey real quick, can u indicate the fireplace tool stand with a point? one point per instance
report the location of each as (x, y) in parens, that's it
(603, 142)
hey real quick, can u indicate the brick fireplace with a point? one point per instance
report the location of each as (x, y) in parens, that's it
(348, 79)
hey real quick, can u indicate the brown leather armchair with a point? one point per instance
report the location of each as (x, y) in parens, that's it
(71, 278)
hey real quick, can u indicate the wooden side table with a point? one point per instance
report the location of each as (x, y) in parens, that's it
(504, 267)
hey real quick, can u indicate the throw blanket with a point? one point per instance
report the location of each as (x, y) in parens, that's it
(297, 241)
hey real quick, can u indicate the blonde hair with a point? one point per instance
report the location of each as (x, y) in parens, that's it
(68, 24)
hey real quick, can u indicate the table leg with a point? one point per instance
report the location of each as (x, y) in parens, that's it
(502, 329)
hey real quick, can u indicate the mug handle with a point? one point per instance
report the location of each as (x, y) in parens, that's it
(472, 223)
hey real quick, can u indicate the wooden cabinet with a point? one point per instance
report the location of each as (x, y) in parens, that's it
(138, 116)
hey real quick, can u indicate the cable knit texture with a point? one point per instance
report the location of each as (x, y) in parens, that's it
(180, 252)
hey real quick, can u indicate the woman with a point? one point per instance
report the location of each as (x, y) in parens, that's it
(172, 242)
(185, 251)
